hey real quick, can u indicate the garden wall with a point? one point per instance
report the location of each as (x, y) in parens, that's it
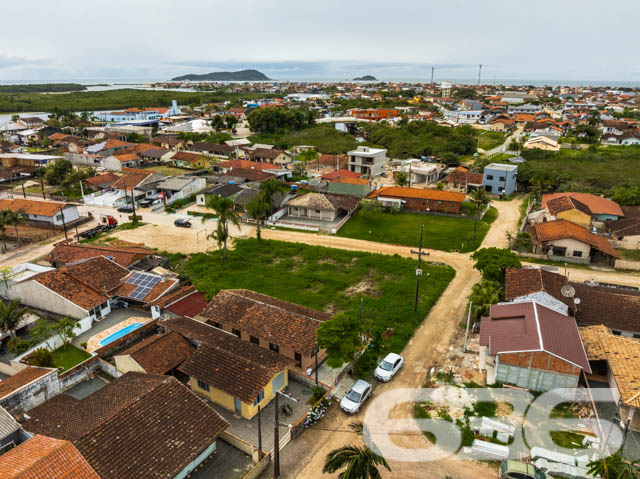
(625, 264)
(33, 394)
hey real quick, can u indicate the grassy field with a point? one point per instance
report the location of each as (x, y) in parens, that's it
(490, 139)
(68, 356)
(167, 170)
(324, 137)
(630, 254)
(440, 232)
(326, 279)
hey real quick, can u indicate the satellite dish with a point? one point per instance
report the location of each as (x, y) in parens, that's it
(568, 291)
(576, 300)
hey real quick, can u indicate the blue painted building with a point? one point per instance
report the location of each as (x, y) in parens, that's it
(145, 114)
(500, 179)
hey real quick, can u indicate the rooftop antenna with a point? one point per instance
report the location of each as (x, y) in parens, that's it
(479, 73)
(432, 69)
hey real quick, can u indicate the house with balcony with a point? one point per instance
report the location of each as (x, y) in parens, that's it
(369, 162)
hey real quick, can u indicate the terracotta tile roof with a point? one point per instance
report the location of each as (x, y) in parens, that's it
(185, 156)
(528, 326)
(268, 153)
(427, 194)
(272, 319)
(117, 144)
(71, 252)
(139, 425)
(234, 371)
(623, 357)
(125, 289)
(341, 174)
(323, 201)
(560, 229)
(351, 181)
(33, 207)
(250, 174)
(331, 161)
(596, 204)
(42, 457)
(86, 284)
(160, 353)
(20, 379)
(105, 179)
(58, 136)
(126, 157)
(616, 308)
(130, 180)
(566, 203)
(464, 176)
(525, 281)
(189, 306)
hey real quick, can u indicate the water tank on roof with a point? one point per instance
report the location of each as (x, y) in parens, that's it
(232, 182)
(294, 187)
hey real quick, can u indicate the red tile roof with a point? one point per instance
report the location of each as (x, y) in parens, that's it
(419, 193)
(596, 204)
(103, 179)
(341, 174)
(72, 252)
(189, 306)
(42, 457)
(463, 176)
(33, 207)
(560, 229)
(528, 326)
(526, 281)
(22, 378)
(130, 180)
(160, 353)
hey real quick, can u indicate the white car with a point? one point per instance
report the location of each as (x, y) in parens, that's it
(355, 397)
(388, 367)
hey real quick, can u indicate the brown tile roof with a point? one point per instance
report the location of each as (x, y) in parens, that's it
(623, 357)
(160, 353)
(235, 372)
(560, 229)
(139, 425)
(341, 174)
(169, 140)
(33, 207)
(86, 284)
(250, 174)
(323, 201)
(616, 308)
(219, 149)
(566, 203)
(159, 289)
(71, 252)
(528, 326)
(244, 164)
(117, 144)
(42, 457)
(463, 176)
(419, 193)
(596, 204)
(525, 281)
(105, 179)
(185, 156)
(20, 379)
(126, 157)
(627, 226)
(130, 180)
(269, 153)
(271, 319)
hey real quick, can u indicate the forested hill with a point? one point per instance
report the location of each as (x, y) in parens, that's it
(242, 75)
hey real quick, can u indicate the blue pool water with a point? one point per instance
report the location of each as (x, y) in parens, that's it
(118, 334)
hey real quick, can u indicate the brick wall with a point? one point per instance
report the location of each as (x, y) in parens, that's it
(540, 360)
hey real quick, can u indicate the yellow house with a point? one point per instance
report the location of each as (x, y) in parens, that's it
(237, 375)
(570, 209)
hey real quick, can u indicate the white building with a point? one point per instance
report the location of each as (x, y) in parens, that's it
(367, 161)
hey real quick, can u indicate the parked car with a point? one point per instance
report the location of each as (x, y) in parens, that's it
(182, 223)
(355, 397)
(147, 202)
(125, 209)
(510, 469)
(388, 367)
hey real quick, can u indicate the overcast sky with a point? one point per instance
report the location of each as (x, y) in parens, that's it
(326, 39)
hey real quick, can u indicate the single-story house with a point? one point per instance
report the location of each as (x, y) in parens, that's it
(121, 160)
(359, 187)
(28, 388)
(212, 149)
(627, 229)
(138, 425)
(168, 142)
(226, 166)
(418, 199)
(531, 346)
(567, 241)
(542, 143)
(272, 156)
(227, 190)
(464, 180)
(49, 213)
(155, 154)
(157, 354)
(66, 253)
(319, 206)
(282, 327)
(184, 159)
(100, 182)
(599, 207)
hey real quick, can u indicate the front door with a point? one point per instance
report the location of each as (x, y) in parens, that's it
(237, 406)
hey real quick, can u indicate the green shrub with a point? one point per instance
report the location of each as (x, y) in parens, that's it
(42, 357)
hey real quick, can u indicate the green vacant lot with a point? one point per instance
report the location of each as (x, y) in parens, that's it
(490, 139)
(324, 137)
(327, 279)
(68, 356)
(440, 232)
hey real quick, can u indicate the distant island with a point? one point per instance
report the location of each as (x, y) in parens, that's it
(242, 75)
(365, 78)
(42, 88)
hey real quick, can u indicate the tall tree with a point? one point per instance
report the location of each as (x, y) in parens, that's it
(268, 189)
(493, 262)
(613, 467)
(224, 209)
(483, 295)
(16, 218)
(4, 221)
(401, 178)
(357, 462)
(540, 182)
(11, 314)
(64, 327)
(480, 199)
(258, 209)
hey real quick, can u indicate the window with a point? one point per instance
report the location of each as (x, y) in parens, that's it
(502, 178)
(617, 333)
(202, 385)
(217, 325)
(58, 217)
(577, 254)
(489, 177)
(274, 347)
(237, 332)
(259, 398)
(298, 358)
(254, 340)
(636, 336)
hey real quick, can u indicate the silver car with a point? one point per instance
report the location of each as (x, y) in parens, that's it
(355, 397)
(388, 367)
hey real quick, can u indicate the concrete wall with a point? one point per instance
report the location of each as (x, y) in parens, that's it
(126, 363)
(628, 242)
(535, 371)
(33, 394)
(571, 245)
(32, 293)
(575, 216)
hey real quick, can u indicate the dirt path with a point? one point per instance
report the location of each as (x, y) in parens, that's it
(508, 216)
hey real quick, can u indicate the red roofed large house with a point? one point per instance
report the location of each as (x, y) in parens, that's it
(417, 199)
(531, 346)
(601, 208)
(49, 213)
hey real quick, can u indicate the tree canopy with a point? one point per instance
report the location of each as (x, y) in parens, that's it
(493, 262)
(273, 120)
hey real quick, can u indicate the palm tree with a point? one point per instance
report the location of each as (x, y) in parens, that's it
(16, 218)
(540, 181)
(268, 189)
(483, 295)
(4, 221)
(479, 198)
(258, 209)
(360, 463)
(11, 314)
(613, 467)
(401, 178)
(224, 209)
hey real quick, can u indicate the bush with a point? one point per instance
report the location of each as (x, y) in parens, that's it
(42, 357)
(18, 346)
(365, 364)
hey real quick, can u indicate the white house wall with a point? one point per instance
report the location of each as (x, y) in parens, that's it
(32, 293)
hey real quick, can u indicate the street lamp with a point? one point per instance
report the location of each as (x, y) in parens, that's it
(276, 435)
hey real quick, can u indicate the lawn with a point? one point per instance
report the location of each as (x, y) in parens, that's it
(630, 254)
(490, 139)
(323, 136)
(168, 170)
(67, 356)
(440, 232)
(327, 279)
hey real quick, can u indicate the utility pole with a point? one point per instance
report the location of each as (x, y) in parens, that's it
(259, 434)
(418, 271)
(479, 73)
(316, 355)
(64, 225)
(42, 185)
(432, 70)
(276, 436)
(24, 193)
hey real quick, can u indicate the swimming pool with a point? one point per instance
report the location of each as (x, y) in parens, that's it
(118, 334)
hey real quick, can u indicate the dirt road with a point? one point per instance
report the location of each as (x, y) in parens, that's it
(508, 216)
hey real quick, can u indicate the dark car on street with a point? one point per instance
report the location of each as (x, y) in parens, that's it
(125, 209)
(182, 223)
